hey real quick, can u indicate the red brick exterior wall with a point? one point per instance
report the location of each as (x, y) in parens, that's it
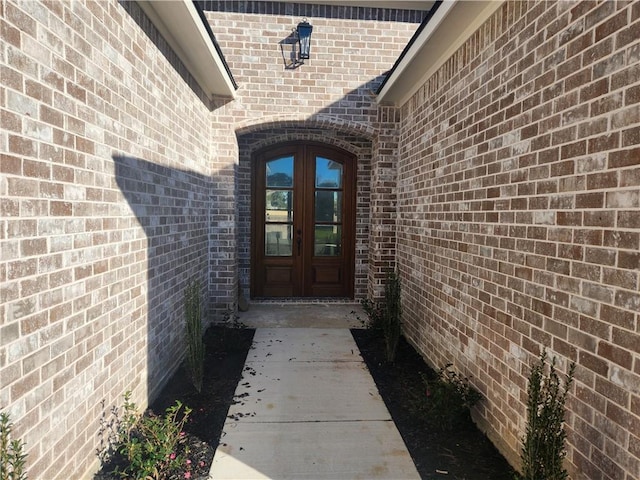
(105, 203)
(519, 220)
(120, 181)
(382, 253)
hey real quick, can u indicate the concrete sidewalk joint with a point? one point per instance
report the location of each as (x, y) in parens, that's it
(307, 408)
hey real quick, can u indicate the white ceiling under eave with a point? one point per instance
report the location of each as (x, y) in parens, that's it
(447, 29)
(180, 24)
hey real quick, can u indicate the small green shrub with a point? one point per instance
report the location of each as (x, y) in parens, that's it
(447, 399)
(392, 315)
(149, 443)
(374, 312)
(195, 344)
(386, 315)
(543, 448)
(12, 458)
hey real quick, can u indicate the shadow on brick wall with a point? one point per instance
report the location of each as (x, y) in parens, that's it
(171, 206)
(289, 52)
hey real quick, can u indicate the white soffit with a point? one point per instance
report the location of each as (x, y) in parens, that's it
(179, 23)
(450, 26)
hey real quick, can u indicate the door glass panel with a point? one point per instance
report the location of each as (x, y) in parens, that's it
(279, 206)
(278, 229)
(278, 240)
(327, 240)
(328, 173)
(328, 206)
(280, 172)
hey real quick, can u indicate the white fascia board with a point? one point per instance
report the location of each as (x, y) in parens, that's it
(451, 25)
(179, 23)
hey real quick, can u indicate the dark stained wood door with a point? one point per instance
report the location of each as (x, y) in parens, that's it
(303, 222)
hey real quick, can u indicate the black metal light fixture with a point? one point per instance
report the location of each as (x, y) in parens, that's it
(303, 31)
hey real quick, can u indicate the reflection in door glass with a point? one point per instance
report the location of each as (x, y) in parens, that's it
(279, 206)
(278, 240)
(328, 173)
(328, 206)
(328, 240)
(280, 172)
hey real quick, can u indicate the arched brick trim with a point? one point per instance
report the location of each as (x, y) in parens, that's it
(324, 122)
(298, 136)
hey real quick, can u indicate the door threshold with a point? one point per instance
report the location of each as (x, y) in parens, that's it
(302, 300)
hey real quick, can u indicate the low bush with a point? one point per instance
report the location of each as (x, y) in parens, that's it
(195, 344)
(386, 315)
(446, 399)
(12, 457)
(147, 446)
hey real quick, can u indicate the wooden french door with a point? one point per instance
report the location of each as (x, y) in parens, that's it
(303, 222)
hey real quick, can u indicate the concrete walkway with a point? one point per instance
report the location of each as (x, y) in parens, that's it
(309, 409)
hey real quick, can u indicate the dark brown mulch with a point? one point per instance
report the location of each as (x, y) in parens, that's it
(463, 453)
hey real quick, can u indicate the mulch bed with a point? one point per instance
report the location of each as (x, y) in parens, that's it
(461, 454)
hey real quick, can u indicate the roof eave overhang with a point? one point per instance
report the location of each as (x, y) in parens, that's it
(182, 26)
(443, 32)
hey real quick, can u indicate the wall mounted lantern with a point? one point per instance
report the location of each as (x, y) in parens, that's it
(303, 31)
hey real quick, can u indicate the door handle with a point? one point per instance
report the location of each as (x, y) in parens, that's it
(299, 240)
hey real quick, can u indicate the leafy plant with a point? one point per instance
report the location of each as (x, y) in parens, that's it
(386, 315)
(392, 325)
(447, 399)
(195, 345)
(374, 312)
(543, 448)
(12, 458)
(149, 443)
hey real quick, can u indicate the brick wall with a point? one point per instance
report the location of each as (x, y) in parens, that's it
(105, 183)
(351, 50)
(120, 182)
(382, 237)
(519, 220)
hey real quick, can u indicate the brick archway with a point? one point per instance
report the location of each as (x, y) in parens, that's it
(253, 138)
(316, 122)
